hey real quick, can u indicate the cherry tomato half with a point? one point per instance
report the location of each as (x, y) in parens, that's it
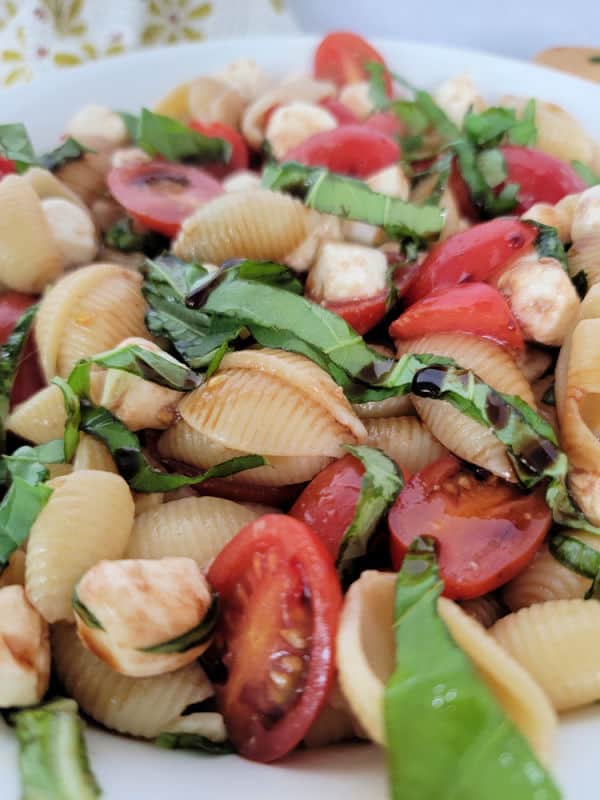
(542, 178)
(29, 376)
(239, 148)
(160, 195)
(340, 111)
(363, 313)
(385, 122)
(467, 308)
(7, 167)
(350, 149)
(478, 254)
(487, 531)
(341, 58)
(280, 601)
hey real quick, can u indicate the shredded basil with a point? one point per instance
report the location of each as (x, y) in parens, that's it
(581, 283)
(579, 558)
(131, 122)
(121, 236)
(15, 145)
(84, 613)
(594, 59)
(549, 396)
(200, 634)
(548, 244)
(193, 741)
(69, 150)
(166, 137)
(10, 355)
(584, 172)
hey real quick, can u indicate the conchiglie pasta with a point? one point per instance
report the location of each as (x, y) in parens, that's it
(456, 431)
(485, 609)
(257, 224)
(405, 440)
(40, 418)
(88, 518)
(143, 707)
(147, 501)
(87, 312)
(335, 722)
(46, 184)
(14, 572)
(86, 176)
(93, 454)
(390, 407)
(194, 527)
(29, 256)
(557, 642)
(584, 255)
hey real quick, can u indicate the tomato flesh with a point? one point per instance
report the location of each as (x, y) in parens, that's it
(280, 605)
(343, 114)
(350, 150)
(487, 531)
(341, 58)
(239, 148)
(385, 122)
(467, 308)
(7, 167)
(478, 254)
(363, 313)
(28, 378)
(160, 195)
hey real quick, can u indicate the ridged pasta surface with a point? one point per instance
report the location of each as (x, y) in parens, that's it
(485, 609)
(557, 643)
(256, 223)
(391, 407)
(405, 440)
(141, 707)
(40, 418)
(88, 518)
(93, 454)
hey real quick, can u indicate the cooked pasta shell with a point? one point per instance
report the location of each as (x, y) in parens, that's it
(87, 312)
(88, 518)
(194, 527)
(559, 216)
(366, 656)
(46, 184)
(58, 470)
(40, 418)
(556, 643)
(93, 454)
(175, 103)
(584, 487)
(147, 501)
(391, 407)
(335, 722)
(143, 707)
(212, 100)
(274, 403)
(139, 403)
(533, 362)
(29, 256)
(485, 609)
(86, 176)
(257, 224)
(14, 572)
(320, 228)
(584, 256)
(459, 433)
(405, 440)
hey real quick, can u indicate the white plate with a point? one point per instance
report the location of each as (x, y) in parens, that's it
(128, 770)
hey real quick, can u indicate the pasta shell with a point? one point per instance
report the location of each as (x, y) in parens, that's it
(29, 256)
(459, 433)
(212, 100)
(559, 216)
(147, 501)
(143, 707)
(175, 103)
(533, 362)
(391, 407)
(365, 658)
(88, 518)
(14, 573)
(257, 224)
(556, 643)
(584, 487)
(83, 314)
(40, 418)
(194, 527)
(274, 403)
(485, 609)
(86, 176)
(93, 454)
(46, 184)
(335, 722)
(405, 440)
(584, 256)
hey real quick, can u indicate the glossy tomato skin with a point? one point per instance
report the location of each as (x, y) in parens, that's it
(29, 376)
(363, 313)
(239, 148)
(385, 122)
(486, 531)
(467, 308)
(480, 253)
(341, 56)
(280, 602)
(542, 178)
(350, 150)
(7, 167)
(160, 195)
(340, 111)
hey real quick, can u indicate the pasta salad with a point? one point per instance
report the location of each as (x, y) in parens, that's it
(299, 428)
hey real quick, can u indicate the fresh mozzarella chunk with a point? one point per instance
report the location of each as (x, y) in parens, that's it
(127, 156)
(292, 123)
(347, 271)
(245, 76)
(362, 233)
(391, 181)
(321, 227)
(586, 214)
(456, 96)
(356, 97)
(241, 180)
(93, 121)
(212, 100)
(72, 229)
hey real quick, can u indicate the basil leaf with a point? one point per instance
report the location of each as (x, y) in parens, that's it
(10, 355)
(84, 613)
(29, 463)
(18, 511)
(436, 702)
(69, 150)
(379, 488)
(193, 741)
(549, 396)
(547, 243)
(377, 89)
(121, 236)
(71, 393)
(581, 283)
(490, 127)
(492, 166)
(132, 122)
(53, 758)
(200, 634)
(15, 145)
(575, 555)
(525, 131)
(594, 59)
(125, 448)
(166, 137)
(585, 173)
(346, 197)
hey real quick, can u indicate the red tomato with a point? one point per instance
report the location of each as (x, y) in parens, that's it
(487, 531)
(542, 178)
(385, 122)
(478, 254)
(350, 149)
(363, 313)
(239, 148)
(29, 377)
(160, 195)
(468, 308)
(460, 192)
(341, 58)
(7, 167)
(280, 603)
(340, 111)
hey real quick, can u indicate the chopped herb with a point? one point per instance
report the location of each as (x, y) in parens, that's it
(549, 396)
(73, 413)
(547, 243)
(166, 137)
(69, 150)
(492, 166)
(121, 236)
(193, 741)
(187, 641)
(595, 59)
(15, 145)
(132, 122)
(585, 173)
(10, 355)
(525, 131)
(84, 613)
(579, 558)
(581, 283)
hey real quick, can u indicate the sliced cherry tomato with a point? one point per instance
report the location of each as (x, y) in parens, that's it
(460, 192)
(478, 254)
(340, 111)
(341, 58)
(363, 313)
(29, 376)
(350, 149)
(7, 167)
(160, 195)
(239, 148)
(280, 601)
(542, 178)
(385, 122)
(487, 531)
(468, 308)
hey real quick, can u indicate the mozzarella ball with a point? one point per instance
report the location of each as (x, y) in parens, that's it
(293, 123)
(72, 229)
(92, 121)
(346, 272)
